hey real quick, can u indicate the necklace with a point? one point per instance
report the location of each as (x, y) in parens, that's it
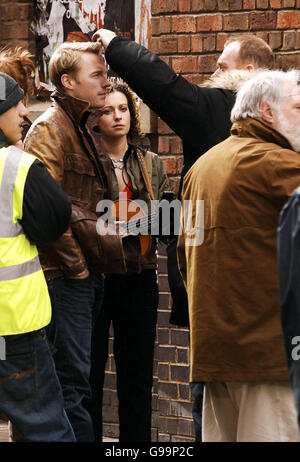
(116, 161)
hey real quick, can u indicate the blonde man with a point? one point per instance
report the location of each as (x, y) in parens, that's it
(61, 139)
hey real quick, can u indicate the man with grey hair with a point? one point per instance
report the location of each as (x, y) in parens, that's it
(232, 278)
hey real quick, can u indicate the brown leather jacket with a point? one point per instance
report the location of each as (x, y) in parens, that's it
(62, 139)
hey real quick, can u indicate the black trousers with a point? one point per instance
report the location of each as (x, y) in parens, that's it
(130, 303)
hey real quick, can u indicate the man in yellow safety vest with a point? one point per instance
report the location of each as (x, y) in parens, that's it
(33, 210)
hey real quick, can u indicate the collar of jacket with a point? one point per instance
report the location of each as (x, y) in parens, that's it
(75, 108)
(254, 128)
(132, 150)
(3, 140)
(229, 80)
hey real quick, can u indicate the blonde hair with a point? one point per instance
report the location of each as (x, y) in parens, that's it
(65, 59)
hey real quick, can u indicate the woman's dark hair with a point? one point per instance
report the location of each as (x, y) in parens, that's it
(135, 118)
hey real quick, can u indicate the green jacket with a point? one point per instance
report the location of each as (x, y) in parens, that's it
(159, 183)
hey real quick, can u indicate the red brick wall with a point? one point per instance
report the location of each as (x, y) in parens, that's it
(189, 35)
(15, 18)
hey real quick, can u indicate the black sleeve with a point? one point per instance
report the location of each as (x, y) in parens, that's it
(289, 270)
(169, 95)
(46, 208)
(289, 283)
(198, 115)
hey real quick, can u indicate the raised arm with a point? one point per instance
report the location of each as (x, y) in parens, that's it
(200, 116)
(169, 95)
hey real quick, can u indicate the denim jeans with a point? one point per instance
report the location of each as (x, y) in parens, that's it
(30, 393)
(75, 306)
(197, 389)
(130, 303)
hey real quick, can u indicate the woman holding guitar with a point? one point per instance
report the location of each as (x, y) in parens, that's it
(131, 299)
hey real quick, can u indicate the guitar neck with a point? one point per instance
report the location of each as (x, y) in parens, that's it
(142, 225)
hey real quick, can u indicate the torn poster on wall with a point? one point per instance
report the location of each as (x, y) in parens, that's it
(58, 21)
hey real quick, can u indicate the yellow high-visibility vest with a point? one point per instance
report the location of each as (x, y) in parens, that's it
(24, 299)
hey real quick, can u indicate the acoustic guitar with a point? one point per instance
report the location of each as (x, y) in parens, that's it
(132, 219)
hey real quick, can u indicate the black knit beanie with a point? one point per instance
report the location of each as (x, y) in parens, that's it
(10, 92)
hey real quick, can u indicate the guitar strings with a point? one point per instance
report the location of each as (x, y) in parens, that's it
(144, 223)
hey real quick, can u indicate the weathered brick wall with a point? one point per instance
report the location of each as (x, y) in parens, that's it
(189, 35)
(171, 401)
(15, 18)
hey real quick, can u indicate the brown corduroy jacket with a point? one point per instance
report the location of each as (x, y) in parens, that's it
(232, 277)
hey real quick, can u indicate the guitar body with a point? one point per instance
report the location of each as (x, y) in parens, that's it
(128, 211)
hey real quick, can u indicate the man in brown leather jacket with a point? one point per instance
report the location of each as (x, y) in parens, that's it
(61, 138)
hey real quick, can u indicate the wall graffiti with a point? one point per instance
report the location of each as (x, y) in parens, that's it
(143, 22)
(57, 21)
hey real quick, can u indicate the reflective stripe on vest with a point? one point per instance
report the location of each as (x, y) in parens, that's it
(25, 302)
(7, 227)
(7, 273)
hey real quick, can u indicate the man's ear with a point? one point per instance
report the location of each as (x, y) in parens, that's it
(249, 67)
(266, 112)
(67, 81)
(2, 121)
